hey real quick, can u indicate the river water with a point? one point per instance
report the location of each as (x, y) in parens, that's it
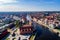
(45, 34)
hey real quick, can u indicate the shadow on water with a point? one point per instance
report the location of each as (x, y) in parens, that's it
(45, 34)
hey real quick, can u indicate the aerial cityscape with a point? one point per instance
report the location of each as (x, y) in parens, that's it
(29, 19)
(30, 26)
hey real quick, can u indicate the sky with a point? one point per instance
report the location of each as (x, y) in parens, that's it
(29, 5)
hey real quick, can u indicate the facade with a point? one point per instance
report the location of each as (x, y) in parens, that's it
(26, 29)
(3, 33)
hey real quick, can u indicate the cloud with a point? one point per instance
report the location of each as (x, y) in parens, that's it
(20, 5)
(8, 8)
(7, 1)
(14, 8)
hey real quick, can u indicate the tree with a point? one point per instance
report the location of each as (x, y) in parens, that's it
(17, 23)
(58, 18)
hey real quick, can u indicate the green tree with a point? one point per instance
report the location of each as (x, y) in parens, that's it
(17, 23)
(58, 17)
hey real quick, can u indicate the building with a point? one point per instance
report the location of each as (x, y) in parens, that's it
(24, 37)
(23, 20)
(26, 29)
(3, 32)
(16, 18)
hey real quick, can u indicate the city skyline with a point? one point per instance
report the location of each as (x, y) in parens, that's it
(29, 5)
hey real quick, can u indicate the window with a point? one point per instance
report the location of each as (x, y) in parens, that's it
(30, 29)
(25, 29)
(22, 30)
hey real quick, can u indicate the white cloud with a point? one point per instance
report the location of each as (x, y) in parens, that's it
(7, 1)
(16, 8)
(23, 7)
(8, 8)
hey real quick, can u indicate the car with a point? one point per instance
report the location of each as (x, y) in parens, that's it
(24, 39)
(19, 38)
